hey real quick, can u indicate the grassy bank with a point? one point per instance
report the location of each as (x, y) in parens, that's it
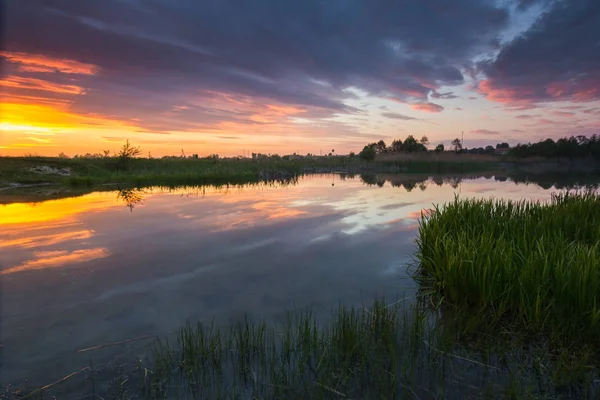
(523, 267)
(89, 172)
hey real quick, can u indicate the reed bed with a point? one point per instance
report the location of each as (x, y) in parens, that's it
(381, 352)
(526, 267)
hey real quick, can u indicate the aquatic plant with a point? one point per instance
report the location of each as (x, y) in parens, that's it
(527, 266)
(385, 351)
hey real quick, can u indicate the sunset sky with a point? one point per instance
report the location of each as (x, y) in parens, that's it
(284, 76)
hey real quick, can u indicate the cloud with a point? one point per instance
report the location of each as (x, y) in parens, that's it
(39, 84)
(556, 59)
(563, 114)
(485, 132)
(41, 63)
(546, 121)
(228, 137)
(142, 57)
(447, 96)
(526, 116)
(398, 116)
(428, 107)
(592, 111)
(458, 109)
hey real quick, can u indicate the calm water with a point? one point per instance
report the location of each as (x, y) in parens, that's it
(109, 266)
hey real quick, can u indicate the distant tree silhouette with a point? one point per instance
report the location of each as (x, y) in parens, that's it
(439, 148)
(368, 152)
(126, 154)
(572, 147)
(457, 144)
(380, 147)
(396, 146)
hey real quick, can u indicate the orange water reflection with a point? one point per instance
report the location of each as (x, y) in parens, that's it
(54, 259)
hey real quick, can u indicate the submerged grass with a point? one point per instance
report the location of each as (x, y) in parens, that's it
(526, 267)
(383, 352)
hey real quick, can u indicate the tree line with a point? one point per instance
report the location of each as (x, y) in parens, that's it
(567, 147)
(412, 145)
(573, 147)
(409, 145)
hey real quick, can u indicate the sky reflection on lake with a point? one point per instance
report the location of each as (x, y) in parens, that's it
(110, 266)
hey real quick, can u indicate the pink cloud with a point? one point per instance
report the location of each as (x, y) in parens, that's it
(427, 107)
(563, 114)
(526, 116)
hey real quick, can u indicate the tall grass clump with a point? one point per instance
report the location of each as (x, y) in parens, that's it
(381, 352)
(527, 266)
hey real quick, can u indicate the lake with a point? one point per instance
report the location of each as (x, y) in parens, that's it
(116, 265)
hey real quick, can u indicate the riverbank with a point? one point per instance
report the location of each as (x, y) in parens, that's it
(89, 172)
(43, 178)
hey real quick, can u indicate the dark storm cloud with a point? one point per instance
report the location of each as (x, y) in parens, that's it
(557, 58)
(153, 54)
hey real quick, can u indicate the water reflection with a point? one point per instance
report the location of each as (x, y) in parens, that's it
(131, 197)
(410, 182)
(55, 259)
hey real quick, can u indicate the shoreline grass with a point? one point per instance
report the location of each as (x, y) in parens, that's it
(90, 172)
(522, 266)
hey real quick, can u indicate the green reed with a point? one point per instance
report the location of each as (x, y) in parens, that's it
(527, 266)
(381, 352)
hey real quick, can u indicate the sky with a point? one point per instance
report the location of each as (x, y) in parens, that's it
(282, 76)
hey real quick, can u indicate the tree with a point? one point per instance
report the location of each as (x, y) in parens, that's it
(380, 147)
(396, 146)
(489, 150)
(425, 141)
(352, 154)
(410, 144)
(439, 148)
(456, 143)
(502, 145)
(126, 154)
(368, 152)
